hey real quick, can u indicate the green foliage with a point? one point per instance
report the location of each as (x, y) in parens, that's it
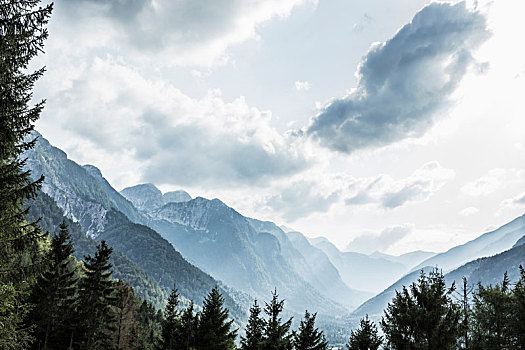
(159, 259)
(308, 337)
(22, 36)
(277, 334)
(254, 337)
(125, 334)
(491, 315)
(365, 337)
(214, 329)
(12, 313)
(171, 321)
(187, 329)
(517, 317)
(424, 317)
(96, 298)
(55, 294)
(124, 269)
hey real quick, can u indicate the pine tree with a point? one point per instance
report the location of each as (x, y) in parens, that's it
(253, 340)
(424, 317)
(365, 337)
(309, 337)
(214, 329)
(148, 327)
(22, 36)
(54, 295)
(463, 298)
(491, 316)
(187, 328)
(171, 321)
(517, 325)
(124, 315)
(276, 334)
(96, 298)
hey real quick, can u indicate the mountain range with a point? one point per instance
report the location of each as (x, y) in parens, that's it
(166, 239)
(482, 260)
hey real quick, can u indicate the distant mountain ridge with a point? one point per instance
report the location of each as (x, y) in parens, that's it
(229, 246)
(485, 270)
(487, 244)
(409, 260)
(358, 269)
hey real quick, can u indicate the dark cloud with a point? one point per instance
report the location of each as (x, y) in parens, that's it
(405, 81)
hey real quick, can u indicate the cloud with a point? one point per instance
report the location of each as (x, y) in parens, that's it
(364, 22)
(302, 85)
(495, 180)
(300, 199)
(405, 82)
(387, 193)
(379, 241)
(514, 202)
(469, 211)
(171, 137)
(182, 32)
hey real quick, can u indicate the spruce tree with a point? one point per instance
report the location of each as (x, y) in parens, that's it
(491, 316)
(365, 337)
(276, 333)
(171, 321)
(96, 299)
(22, 36)
(308, 337)
(124, 315)
(55, 294)
(422, 317)
(214, 329)
(187, 328)
(517, 325)
(253, 339)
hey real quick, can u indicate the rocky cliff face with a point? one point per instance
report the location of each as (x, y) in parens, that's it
(176, 197)
(74, 190)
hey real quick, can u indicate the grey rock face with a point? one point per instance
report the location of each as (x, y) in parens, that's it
(176, 197)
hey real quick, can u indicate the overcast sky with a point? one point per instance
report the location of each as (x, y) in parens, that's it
(392, 125)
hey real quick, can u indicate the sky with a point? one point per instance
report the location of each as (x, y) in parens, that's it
(392, 125)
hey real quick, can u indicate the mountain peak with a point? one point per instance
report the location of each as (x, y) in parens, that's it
(176, 196)
(92, 170)
(144, 196)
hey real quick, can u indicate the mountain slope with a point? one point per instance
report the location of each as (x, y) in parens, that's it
(87, 198)
(487, 270)
(159, 259)
(490, 270)
(487, 244)
(360, 271)
(409, 260)
(325, 274)
(224, 243)
(375, 306)
(51, 216)
(81, 192)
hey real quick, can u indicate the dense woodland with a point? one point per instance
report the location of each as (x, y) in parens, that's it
(49, 299)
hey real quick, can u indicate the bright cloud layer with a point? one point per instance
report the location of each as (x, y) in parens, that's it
(180, 32)
(388, 193)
